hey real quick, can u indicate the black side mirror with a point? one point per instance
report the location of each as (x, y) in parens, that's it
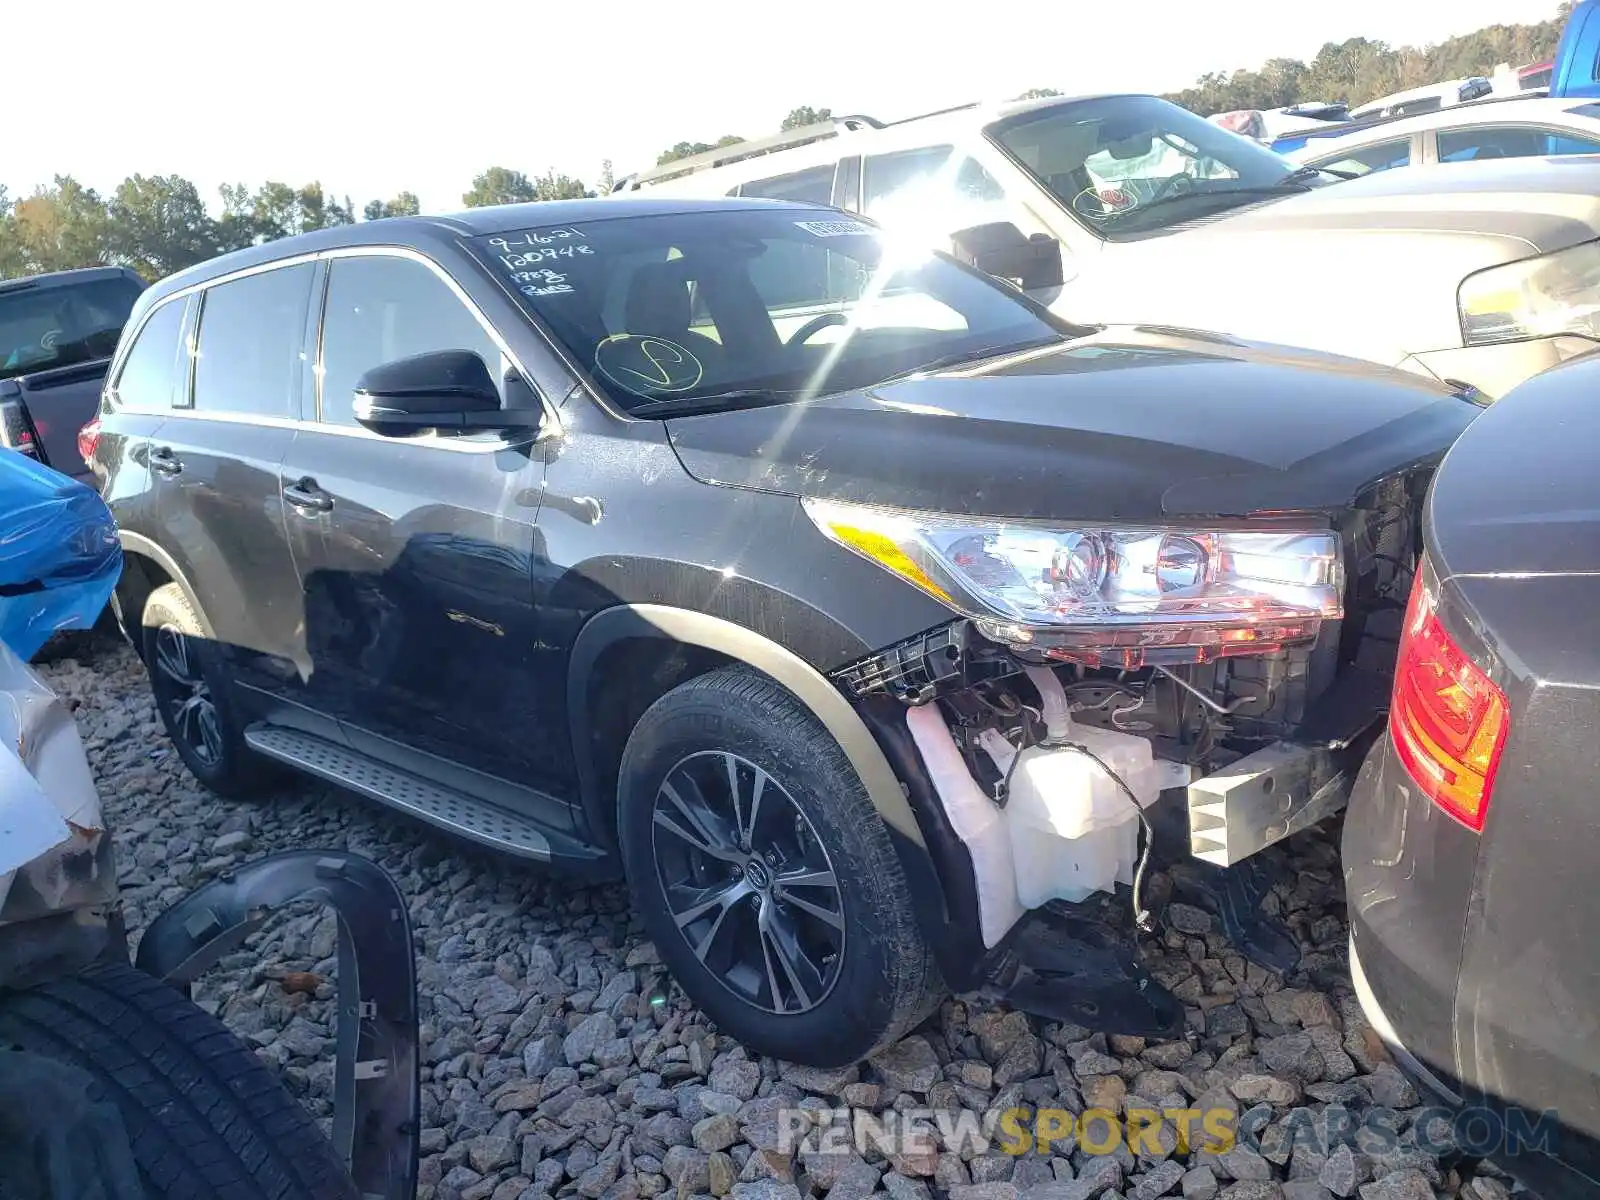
(444, 389)
(999, 248)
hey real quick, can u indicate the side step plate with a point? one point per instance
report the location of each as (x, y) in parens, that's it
(465, 816)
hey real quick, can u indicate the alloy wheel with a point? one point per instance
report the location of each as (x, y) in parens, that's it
(748, 882)
(181, 687)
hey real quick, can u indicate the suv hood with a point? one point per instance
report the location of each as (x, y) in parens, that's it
(1126, 425)
(1544, 203)
(1368, 267)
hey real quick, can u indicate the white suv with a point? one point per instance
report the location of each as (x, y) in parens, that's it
(1482, 273)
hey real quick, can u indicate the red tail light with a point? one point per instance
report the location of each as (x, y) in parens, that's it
(1448, 719)
(16, 429)
(89, 440)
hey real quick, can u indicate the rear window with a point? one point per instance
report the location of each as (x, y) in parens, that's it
(151, 370)
(56, 326)
(814, 186)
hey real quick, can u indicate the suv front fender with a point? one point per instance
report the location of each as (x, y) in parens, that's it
(821, 698)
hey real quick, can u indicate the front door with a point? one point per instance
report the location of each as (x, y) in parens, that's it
(414, 554)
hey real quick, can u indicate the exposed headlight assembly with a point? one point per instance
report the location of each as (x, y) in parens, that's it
(1533, 298)
(1103, 595)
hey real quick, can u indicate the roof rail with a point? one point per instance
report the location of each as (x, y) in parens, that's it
(938, 112)
(721, 156)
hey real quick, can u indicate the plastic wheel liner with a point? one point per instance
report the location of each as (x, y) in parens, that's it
(59, 554)
(375, 1085)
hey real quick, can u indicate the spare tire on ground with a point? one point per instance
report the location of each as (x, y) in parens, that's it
(114, 1086)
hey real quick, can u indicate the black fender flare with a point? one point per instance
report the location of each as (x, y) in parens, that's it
(825, 702)
(377, 1097)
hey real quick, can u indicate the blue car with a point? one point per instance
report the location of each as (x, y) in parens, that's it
(59, 554)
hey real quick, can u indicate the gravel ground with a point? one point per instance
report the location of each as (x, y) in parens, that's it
(558, 1061)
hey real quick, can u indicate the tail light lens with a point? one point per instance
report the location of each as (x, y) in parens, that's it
(1448, 719)
(16, 429)
(89, 440)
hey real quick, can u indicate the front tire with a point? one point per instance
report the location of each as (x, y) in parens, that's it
(191, 694)
(766, 879)
(146, 1091)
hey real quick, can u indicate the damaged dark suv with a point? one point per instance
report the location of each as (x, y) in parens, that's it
(869, 619)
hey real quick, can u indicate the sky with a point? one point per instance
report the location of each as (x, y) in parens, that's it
(372, 97)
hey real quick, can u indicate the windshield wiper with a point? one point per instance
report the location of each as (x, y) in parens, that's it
(1296, 181)
(688, 406)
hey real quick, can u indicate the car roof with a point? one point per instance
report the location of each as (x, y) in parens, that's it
(55, 279)
(1445, 90)
(834, 138)
(472, 222)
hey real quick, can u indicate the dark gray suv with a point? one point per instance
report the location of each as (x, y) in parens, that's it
(863, 614)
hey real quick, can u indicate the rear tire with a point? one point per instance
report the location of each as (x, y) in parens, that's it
(805, 900)
(203, 1117)
(192, 695)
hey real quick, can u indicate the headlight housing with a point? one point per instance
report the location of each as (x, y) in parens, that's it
(1107, 595)
(1533, 298)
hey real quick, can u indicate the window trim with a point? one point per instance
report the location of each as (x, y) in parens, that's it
(952, 152)
(831, 167)
(1415, 154)
(119, 365)
(550, 427)
(1521, 126)
(125, 345)
(200, 302)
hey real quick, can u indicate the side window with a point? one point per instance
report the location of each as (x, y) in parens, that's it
(925, 191)
(1569, 143)
(1508, 141)
(380, 308)
(1384, 156)
(813, 186)
(248, 351)
(151, 373)
(887, 177)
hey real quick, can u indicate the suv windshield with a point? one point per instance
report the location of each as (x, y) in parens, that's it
(695, 311)
(1128, 165)
(44, 326)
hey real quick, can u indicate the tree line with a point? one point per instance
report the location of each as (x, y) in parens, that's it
(1359, 70)
(158, 224)
(1353, 72)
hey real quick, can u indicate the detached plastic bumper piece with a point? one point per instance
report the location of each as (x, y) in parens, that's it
(1063, 967)
(376, 1105)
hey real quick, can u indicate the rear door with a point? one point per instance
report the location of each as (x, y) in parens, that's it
(151, 375)
(415, 554)
(215, 462)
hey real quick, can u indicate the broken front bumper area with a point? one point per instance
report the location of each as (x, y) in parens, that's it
(1288, 786)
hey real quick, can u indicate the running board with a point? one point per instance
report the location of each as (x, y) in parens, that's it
(456, 812)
